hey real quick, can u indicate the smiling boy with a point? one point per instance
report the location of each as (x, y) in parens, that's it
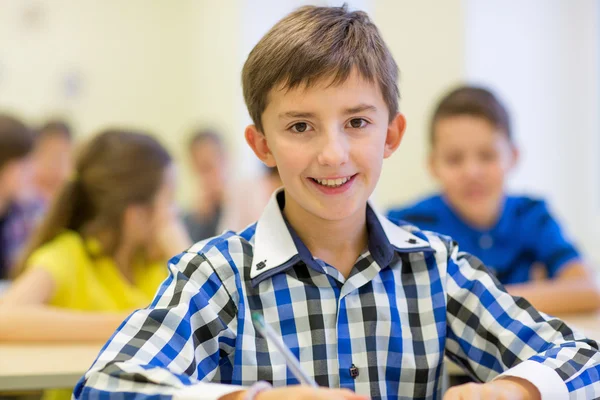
(472, 153)
(364, 305)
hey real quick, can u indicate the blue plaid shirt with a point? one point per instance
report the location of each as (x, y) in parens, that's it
(410, 299)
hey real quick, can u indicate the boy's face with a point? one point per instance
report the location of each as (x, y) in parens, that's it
(471, 158)
(53, 160)
(328, 143)
(15, 176)
(209, 165)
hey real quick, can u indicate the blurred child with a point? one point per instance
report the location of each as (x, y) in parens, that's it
(209, 162)
(88, 265)
(369, 309)
(52, 159)
(472, 152)
(17, 218)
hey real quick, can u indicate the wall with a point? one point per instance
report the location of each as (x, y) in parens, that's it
(168, 67)
(426, 39)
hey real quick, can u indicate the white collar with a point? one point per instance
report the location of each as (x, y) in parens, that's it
(274, 246)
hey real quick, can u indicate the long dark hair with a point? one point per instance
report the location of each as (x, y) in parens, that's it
(114, 170)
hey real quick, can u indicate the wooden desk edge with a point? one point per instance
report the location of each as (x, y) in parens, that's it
(38, 382)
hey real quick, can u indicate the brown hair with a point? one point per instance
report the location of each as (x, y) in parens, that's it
(473, 101)
(16, 140)
(205, 134)
(114, 170)
(55, 127)
(313, 43)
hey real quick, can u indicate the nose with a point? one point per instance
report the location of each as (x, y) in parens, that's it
(472, 168)
(333, 149)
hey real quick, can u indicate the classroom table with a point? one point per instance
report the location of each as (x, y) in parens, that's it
(36, 366)
(26, 366)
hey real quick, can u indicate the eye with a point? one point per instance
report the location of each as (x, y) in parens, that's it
(300, 127)
(488, 156)
(453, 159)
(358, 123)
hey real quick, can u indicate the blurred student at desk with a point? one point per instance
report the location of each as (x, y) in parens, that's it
(52, 159)
(101, 250)
(210, 166)
(17, 217)
(472, 152)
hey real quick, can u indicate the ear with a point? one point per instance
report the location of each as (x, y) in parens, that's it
(515, 156)
(258, 143)
(395, 133)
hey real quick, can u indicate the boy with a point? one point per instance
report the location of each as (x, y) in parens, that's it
(209, 163)
(362, 303)
(472, 151)
(17, 218)
(52, 159)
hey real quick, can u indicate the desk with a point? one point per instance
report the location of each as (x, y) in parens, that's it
(588, 324)
(25, 366)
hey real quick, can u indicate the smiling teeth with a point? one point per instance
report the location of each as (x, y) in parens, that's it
(332, 182)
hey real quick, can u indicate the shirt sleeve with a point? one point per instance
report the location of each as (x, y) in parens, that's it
(179, 341)
(492, 333)
(53, 258)
(552, 248)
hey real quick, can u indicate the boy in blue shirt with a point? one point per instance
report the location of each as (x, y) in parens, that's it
(363, 304)
(516, 237)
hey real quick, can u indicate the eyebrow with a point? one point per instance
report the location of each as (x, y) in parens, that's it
(352, 110)
(296, 114)
(360, 108)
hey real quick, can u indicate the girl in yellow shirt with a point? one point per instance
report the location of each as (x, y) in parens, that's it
(101, 251)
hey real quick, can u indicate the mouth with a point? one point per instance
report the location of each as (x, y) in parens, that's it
(333, 184)
(475, 192)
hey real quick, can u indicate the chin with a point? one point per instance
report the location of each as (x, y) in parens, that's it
(339, 213)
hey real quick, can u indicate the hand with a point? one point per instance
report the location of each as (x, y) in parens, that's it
(302, 393)
(508, 388)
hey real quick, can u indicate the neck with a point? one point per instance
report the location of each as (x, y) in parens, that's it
(483, 221)
(207, 205)
(338, 242)
(124, 256)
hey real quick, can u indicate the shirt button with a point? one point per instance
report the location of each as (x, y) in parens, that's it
(486, 242)
(353, 371)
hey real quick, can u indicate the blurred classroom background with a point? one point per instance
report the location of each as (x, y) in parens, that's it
(169, 67)
(172, 68)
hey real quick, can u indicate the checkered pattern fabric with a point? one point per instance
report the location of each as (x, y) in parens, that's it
(410, 299)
